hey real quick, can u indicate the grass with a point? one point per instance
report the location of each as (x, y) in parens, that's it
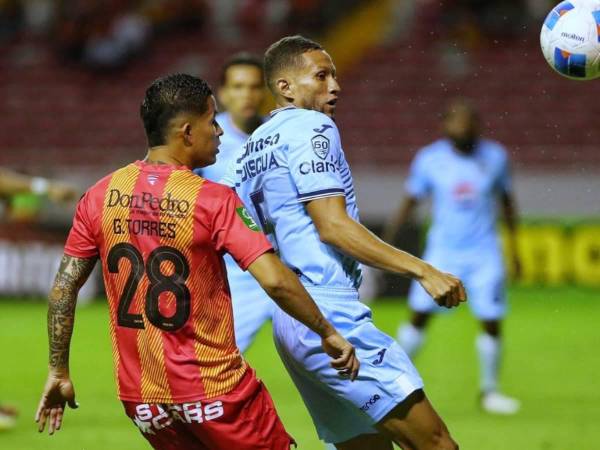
(552, 362)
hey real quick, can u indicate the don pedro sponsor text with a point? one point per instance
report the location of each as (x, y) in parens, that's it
(158, 210)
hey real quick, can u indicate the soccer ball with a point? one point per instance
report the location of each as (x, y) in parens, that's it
(570, 39)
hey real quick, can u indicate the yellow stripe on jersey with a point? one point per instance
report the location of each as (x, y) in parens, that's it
(222, 366)
(183, 186)
(123, 180)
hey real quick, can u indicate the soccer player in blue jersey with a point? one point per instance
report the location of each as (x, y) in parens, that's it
(465, 176)
(241, 92)
(295, 180)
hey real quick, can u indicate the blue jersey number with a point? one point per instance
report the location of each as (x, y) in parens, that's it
(258, 200)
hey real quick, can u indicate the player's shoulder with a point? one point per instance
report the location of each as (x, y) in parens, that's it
(493, 149)
(432, 150)
(214, 191)
(304, 122)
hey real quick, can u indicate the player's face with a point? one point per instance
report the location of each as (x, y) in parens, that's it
(243, 91)
(205, 133)
(461, 126)
(314, 85)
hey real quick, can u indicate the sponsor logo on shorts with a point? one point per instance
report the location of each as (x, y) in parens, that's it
(380, 355)
(151, 418)
(371, 402)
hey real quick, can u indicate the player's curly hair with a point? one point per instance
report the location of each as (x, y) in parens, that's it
(240, 59)
(169, 96)
(285, 53)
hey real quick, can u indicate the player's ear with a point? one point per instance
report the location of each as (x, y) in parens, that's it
(284, 88)
(186, 133)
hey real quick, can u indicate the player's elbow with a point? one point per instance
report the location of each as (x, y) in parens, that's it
(331, 231)
(276, 286)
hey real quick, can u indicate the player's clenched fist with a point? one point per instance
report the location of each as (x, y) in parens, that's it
(445, 288)
(343, 355)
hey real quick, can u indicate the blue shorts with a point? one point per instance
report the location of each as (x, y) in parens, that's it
(341, 409)
(482, 273)
(252, 307)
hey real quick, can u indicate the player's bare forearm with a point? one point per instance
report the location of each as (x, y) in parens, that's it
(285, 289)
(403, 214)
(338, 229)
(13, 183)
(73, 272)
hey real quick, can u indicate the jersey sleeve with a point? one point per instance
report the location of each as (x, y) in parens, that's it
(313, 158)
(418, 184)
(230, 176)
(81, 242)
(235, 232)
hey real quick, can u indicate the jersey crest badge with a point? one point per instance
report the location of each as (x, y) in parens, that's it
(320, 145)
(247, 218)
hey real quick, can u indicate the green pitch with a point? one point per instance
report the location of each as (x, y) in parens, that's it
(552, 364)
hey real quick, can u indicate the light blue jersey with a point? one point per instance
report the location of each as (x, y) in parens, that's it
(464, 190)
(293, 158)
(462, 240)
(251, 306)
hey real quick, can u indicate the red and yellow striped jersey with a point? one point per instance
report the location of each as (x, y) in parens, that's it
(160, 232)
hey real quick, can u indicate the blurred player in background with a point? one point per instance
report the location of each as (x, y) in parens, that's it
(160, 231)
(241, 93)
(464, 175)
(295, 179)
(14, 183)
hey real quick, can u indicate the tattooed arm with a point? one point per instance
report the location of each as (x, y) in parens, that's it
(73, 272)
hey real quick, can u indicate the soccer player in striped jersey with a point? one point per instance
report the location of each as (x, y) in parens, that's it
(296, 181)
(241, 92)
(160, 232)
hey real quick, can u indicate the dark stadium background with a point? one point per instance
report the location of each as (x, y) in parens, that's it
(72, 73)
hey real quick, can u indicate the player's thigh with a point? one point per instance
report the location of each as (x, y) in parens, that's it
(368, 442)
(414, 424)
(486, 288)
(342, 409)
(249, 420)
(335, 419)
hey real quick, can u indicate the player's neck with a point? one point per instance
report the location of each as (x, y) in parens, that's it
(164, 155)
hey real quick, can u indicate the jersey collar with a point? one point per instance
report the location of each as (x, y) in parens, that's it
(278, 110)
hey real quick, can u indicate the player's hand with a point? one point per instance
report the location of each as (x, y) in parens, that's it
(61, 192)
(57, 392)
(343, 355)
(445, 288)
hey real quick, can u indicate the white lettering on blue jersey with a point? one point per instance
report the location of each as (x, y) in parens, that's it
(464, 190)
(293, 158)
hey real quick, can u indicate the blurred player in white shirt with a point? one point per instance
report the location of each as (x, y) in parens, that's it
(465, 176)
(241, 92)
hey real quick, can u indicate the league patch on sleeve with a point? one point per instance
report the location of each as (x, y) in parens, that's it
(320, 145)
(247, 218)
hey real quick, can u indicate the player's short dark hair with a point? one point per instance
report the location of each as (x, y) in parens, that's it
(240, 59)
(169, 96)
(284, 53)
